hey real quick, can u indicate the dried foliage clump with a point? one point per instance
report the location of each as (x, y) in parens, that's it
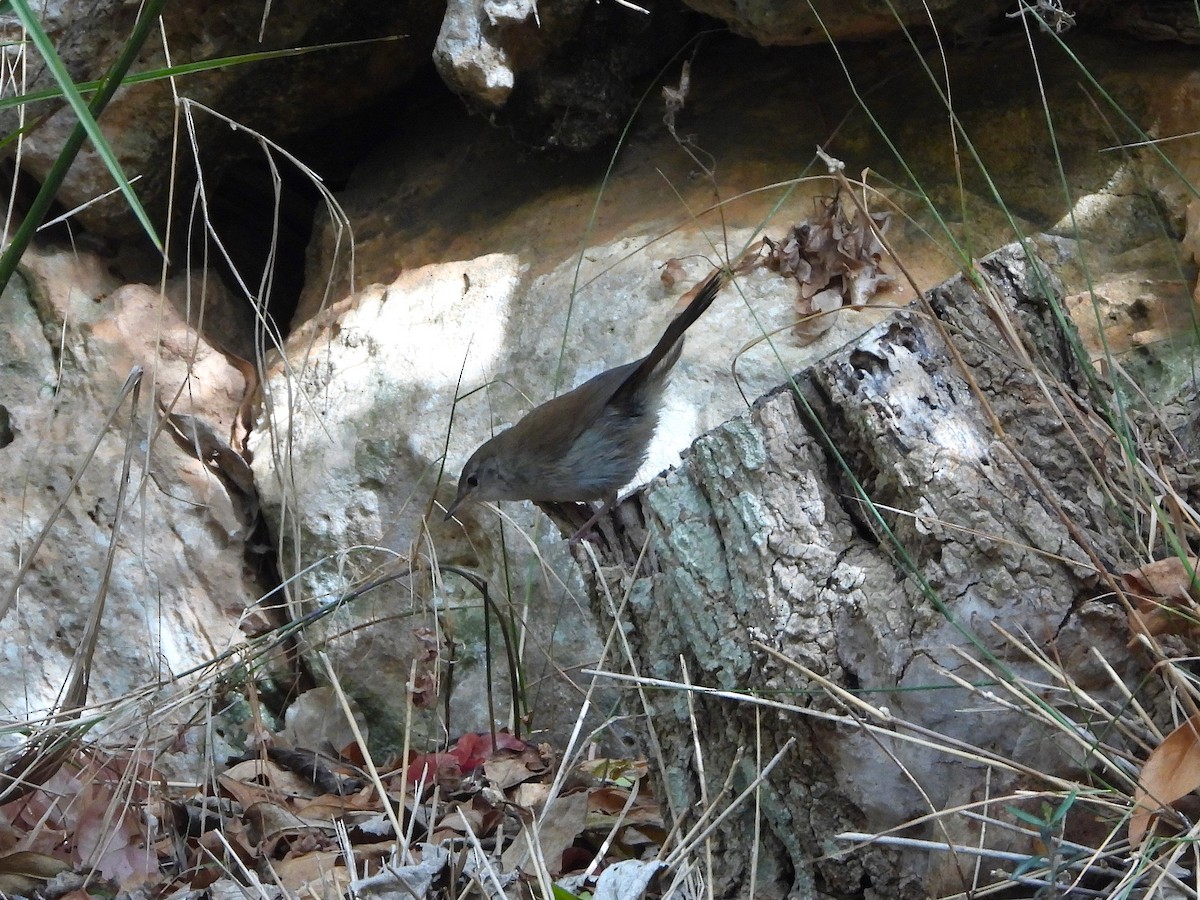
(836, 261)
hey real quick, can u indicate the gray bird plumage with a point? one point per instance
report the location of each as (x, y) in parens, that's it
(584, 444)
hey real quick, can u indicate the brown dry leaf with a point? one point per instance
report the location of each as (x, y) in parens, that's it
(269, 823)
(316, 721)
(508, 768)
(835, 260)
(1165, 600)
(89, 813)
(331, 806)
(604, 804)
(1171, 771)
(562, 823)
(672, 273)
(1163, 578)
(115, 841)
(424, 690)
(24, 873)
(256, 780)
(212, 844)
(531, 795)
(34, 865)
(424, 686)
(476, 813)
(316, 874)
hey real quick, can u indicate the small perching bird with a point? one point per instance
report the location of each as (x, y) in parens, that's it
(585, 444)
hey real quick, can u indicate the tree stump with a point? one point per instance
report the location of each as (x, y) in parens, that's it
(875, 522)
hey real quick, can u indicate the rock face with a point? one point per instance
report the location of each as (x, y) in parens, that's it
(557, 74)
(477, 305)
(179, 578)
(772, 23)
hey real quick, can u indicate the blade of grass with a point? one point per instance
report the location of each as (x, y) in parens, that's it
(54, 178)
(192, 68)
(87, 117)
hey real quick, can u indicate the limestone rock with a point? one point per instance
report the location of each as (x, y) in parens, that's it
(180, 577)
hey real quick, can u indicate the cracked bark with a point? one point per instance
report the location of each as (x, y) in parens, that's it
(761, 536)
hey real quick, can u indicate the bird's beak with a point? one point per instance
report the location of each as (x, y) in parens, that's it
(455, 505)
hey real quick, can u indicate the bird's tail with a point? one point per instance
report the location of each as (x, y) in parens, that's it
(670, 345)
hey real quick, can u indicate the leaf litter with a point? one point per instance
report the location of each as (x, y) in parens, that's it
(480, 816)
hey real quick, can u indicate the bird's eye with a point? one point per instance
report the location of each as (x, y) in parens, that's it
(472, 481)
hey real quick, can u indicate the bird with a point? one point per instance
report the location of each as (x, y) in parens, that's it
(586, 444)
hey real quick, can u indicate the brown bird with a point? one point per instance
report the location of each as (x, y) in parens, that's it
(585, 444)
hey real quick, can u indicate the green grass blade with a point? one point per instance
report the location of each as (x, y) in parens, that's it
(192, 68)
(42, 42)
(11, 256)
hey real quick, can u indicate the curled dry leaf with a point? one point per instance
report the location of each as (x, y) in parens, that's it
(1171, 771)
(475, 814)
(319, 873)
(267, 824)
(424, 690)
(255, 780)
(672, 273)
(508, 768)
(424, 686)
(835, 260)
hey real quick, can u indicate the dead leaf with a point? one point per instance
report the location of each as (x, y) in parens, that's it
(627, 880)
(24, 873)
(531, 795)
(317, 874)
(405, 881)
(835, 260)
(508, 768)
(559, 826)
(672, 273)
(316, 721)
(269, 824)
(255, 780)
(605, 804)
(1163, 578)
(1171, 771)
(1165, 599)
(361, 805)
(476, 813)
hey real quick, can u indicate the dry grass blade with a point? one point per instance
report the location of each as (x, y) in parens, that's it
(40, 759)
(689, 843)
(405, 854)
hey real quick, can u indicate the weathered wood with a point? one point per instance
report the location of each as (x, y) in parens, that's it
(761, 536)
